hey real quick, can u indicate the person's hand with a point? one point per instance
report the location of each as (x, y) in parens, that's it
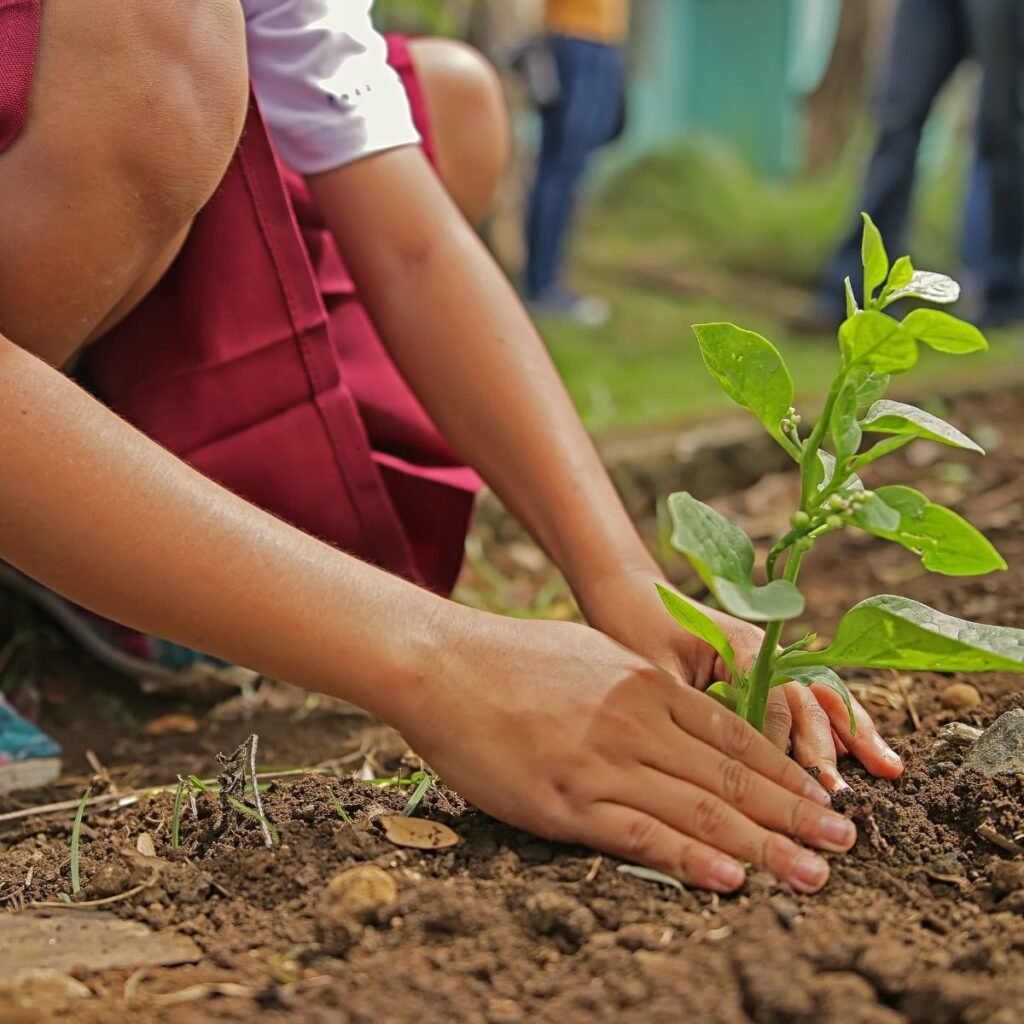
(813, 720)
(557, 729)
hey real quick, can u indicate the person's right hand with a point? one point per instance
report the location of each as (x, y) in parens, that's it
(556, 729)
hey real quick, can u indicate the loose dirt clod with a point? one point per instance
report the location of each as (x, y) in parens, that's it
(42, 990)
(360, 894)
(557, 913)
(960, 697)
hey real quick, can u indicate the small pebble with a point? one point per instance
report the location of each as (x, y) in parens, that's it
(358, 895)
(960, 697)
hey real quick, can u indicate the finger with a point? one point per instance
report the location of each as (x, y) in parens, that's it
(865, 744)
(840, 745)
(640, 839)
(813, 746)
(778, 720)
(695, 812)
(752, 796)
(705, 719)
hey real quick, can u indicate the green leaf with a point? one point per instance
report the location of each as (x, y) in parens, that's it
(874, 258)
(819, 675)
(875, 515)
(716, 546)
(843, 426)
(887, 417)
(874, 341)
(946, 542)
(750, 370)
(694, 621)
(927, 285)
(878, 451)
(774, 602)
(901, 275)
(723, 556)
(851, 299)
(723, 693)
(943, 332)
(895, 632)
(870, 386)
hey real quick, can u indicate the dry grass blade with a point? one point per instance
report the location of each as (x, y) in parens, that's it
(76, 838)
(179, 800)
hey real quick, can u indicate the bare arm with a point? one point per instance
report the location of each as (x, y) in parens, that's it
(93, 509)
(464, 342)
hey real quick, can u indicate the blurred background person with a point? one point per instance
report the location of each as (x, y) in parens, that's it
(585, 111)
(930, 39)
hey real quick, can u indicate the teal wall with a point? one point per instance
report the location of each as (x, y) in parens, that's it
(732, 68)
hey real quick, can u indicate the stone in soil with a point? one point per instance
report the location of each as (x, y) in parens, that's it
(999, 750)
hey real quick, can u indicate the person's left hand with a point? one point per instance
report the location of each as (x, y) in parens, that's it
(813, 720)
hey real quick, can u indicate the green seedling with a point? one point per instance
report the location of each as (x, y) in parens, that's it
(425, 782)
(340, 809)
(857, 427)
(76, 839)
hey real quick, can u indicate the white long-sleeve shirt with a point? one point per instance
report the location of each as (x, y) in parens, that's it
(321, 76)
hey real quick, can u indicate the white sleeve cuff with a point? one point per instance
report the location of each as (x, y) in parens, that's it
(321, 76)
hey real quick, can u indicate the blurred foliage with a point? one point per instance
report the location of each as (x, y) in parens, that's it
(724, 215)
(426, 17)
(692, 235)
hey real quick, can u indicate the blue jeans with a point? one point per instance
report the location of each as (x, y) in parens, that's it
(930, 38)
(583, 118)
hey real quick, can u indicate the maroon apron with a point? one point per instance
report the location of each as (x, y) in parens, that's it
(254, 360)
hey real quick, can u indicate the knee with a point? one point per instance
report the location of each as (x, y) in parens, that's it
(185, 100)
(469, 120)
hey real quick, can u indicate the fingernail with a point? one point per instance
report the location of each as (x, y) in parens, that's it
(833, 781)
(809, 871)
(727, 874)
(816, 792)
(887, 752)
(836, 833)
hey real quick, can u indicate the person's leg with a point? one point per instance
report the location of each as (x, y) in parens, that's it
(583, 120)
(468, 121)
(928, 42)
(997, 31)
(136, 108)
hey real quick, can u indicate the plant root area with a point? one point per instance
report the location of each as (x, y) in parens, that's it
(922, 922)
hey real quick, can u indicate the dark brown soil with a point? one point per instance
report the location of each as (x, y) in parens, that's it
(922, 922)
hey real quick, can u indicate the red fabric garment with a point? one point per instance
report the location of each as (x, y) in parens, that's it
(254, 361)
(19, 34)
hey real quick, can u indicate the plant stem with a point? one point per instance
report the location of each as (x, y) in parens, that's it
(761, 677)
(810, 452)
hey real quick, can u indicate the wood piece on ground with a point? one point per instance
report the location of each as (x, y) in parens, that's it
(93, 941)
(987, 832)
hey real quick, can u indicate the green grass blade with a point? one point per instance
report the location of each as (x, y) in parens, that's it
(426, 781)
(246, 809)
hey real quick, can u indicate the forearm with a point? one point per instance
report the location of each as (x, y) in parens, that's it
(467, 348)
(104, 516)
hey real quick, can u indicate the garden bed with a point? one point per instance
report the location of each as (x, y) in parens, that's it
(923, 921)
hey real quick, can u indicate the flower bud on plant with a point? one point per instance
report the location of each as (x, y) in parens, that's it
(834, 522)
(837, 503)
(799, 520)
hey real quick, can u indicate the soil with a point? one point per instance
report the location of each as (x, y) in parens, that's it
(922, 922)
